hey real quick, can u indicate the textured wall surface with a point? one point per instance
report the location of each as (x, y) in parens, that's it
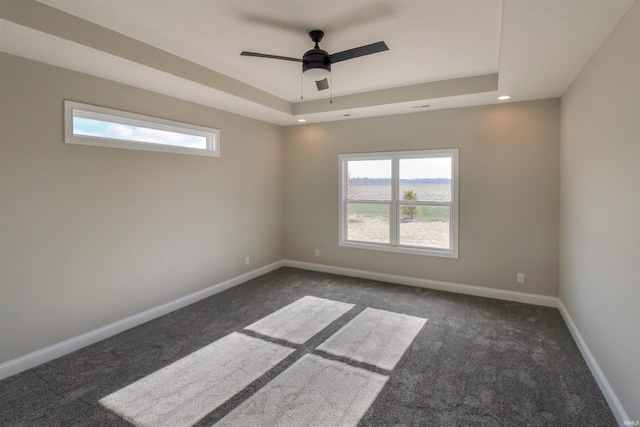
(92, 235)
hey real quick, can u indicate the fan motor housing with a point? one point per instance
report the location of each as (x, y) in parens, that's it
(316, 58)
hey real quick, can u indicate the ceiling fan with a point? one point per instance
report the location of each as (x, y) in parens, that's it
(316, 63)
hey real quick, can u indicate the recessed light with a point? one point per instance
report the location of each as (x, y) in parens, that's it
(504, 97)
(301, 120)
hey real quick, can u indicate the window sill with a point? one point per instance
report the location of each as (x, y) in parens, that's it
(442, 253)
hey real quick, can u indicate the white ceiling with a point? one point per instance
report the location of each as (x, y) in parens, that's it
(443, 53)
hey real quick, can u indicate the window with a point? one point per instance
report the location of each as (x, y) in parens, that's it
(400, 202)
(91, 125)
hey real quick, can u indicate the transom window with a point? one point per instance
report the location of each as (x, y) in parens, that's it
(400, 202)
(105, 127)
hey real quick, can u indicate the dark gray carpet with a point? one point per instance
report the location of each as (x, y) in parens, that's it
(477, 361)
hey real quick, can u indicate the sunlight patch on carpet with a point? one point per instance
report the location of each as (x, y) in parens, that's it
(300, 320)
(376, 337)
(311, 392)
(190, 388)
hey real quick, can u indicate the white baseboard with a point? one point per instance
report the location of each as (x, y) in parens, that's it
(478, 291)
(44, 355)
(605, 387)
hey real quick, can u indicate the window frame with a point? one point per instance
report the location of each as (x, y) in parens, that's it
(74, 109)
(395, 202)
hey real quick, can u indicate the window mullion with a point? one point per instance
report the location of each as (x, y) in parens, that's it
(424, 203)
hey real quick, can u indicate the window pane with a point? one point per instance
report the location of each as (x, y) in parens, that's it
(105, 129)
(427, 226)
(369, 179)
(368, 222)
(427, 179)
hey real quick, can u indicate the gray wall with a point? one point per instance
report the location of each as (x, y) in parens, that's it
(509, 192)
(600, 208)
(92, 235)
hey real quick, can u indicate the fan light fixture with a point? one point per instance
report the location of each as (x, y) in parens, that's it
(316, 63)
(316, 73)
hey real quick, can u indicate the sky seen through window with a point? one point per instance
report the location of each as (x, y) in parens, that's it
(432, 167)
(104, 129)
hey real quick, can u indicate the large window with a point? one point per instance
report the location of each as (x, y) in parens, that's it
(400, 202)
(92, 125)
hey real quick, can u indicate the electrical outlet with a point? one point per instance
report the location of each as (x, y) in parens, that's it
(520, 277)
(317, 252)
(247, 260)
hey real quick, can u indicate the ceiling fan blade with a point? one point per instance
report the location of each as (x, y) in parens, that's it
(322, 84)
(264, 55)
(358, 51)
